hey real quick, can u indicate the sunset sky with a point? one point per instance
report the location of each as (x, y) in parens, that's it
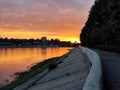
(62, 19)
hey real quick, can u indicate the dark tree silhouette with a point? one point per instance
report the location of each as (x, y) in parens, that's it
(103, 24)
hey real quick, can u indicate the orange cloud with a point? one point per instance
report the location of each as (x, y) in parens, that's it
(52, 18)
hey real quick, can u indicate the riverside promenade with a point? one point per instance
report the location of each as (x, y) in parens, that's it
(111, 70)
(79, 70)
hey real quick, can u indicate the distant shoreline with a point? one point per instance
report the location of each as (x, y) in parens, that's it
(31, 46)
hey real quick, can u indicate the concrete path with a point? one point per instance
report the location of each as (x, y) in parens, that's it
(111, 70)
(71, 74)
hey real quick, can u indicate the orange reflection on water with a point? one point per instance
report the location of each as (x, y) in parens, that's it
(14, 60)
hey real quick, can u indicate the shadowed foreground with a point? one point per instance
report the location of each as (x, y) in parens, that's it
(111, 70)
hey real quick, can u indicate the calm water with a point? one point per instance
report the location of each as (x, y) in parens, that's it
(14, 60)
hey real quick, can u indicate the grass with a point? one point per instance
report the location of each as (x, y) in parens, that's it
(37, 68)
(22, 77)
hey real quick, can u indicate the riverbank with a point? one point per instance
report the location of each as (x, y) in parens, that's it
(65, 70)
(70, 73)
(79, 69)
(22, 77)
(14, 60)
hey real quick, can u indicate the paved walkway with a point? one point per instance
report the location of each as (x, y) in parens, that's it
(111, 70)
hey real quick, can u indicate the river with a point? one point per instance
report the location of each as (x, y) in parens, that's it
(14, 60)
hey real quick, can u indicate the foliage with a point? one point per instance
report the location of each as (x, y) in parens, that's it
(5, 42)
(103, 24)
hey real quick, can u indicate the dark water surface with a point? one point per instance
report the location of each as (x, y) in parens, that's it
(14, 60)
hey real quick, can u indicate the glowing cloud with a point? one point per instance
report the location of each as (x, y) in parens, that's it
(52, 18)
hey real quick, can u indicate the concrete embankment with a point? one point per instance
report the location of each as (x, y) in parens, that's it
(80, 70)
(94, 79)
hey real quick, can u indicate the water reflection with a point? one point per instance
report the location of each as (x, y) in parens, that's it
(14, 60)
(44, 51)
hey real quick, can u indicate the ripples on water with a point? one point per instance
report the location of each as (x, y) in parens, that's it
(14, 60)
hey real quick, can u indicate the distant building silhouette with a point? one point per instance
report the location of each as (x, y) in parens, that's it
(6, 42)
(44, 39)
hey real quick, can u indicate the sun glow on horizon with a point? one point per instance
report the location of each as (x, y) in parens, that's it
(36, 35)
(37, 18)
